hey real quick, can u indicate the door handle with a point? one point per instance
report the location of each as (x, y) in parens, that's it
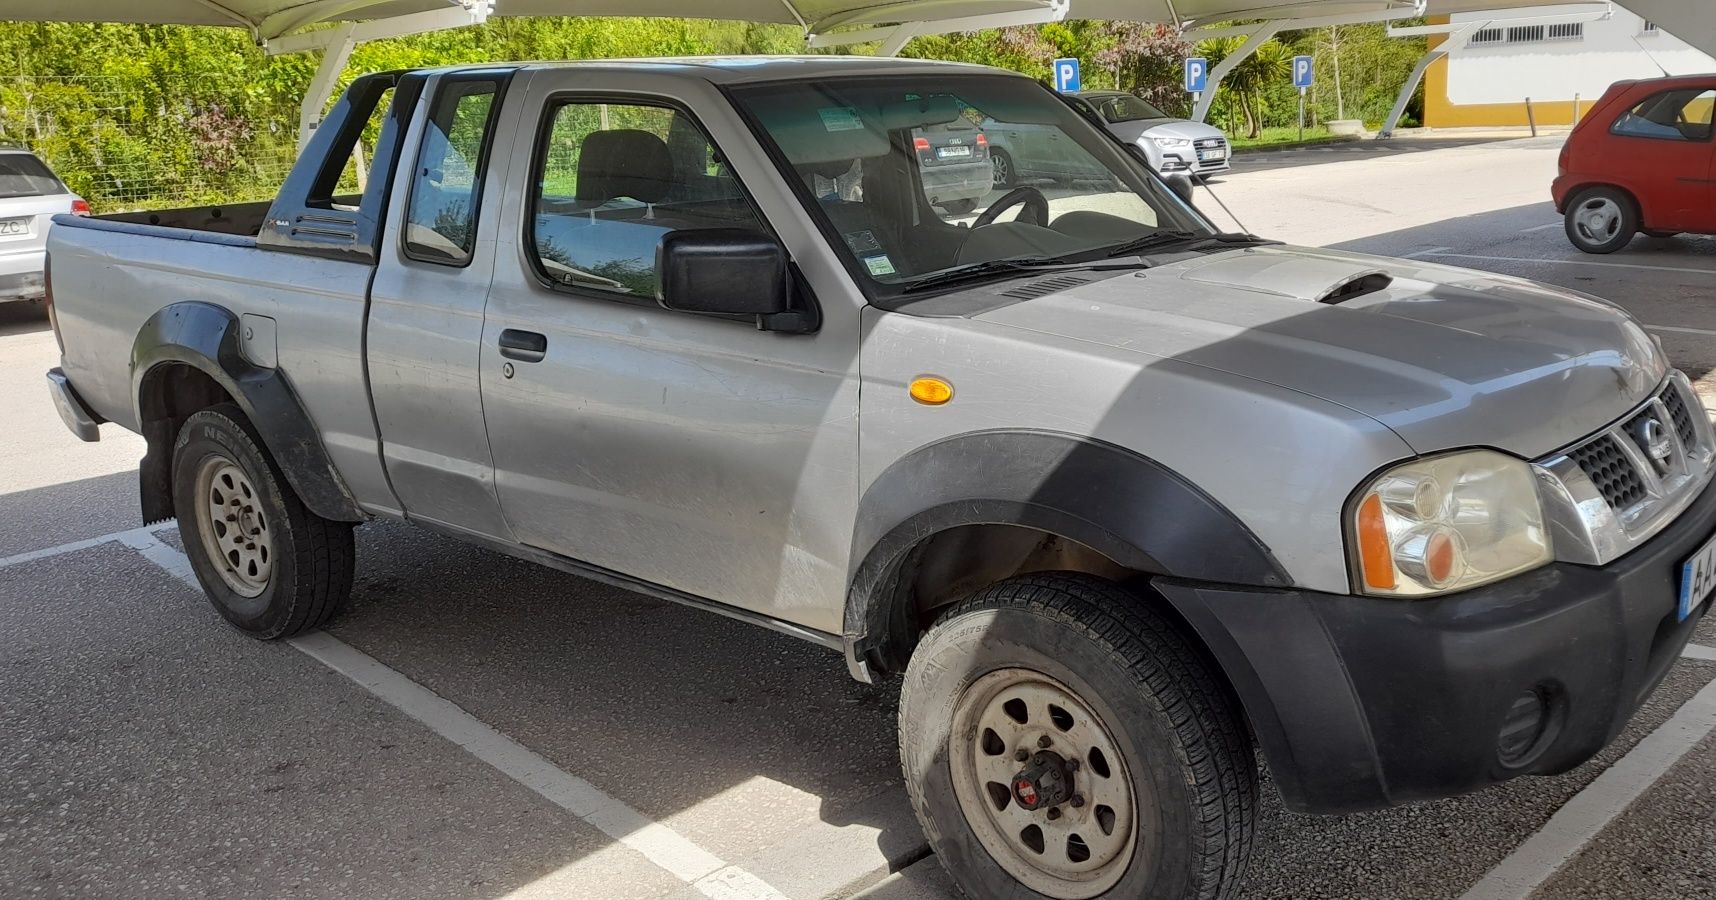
(524, 346)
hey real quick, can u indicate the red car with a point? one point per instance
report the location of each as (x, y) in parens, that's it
(1642, 160)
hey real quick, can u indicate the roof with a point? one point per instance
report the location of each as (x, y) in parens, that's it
(747, 69)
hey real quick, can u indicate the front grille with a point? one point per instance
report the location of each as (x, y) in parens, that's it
(1209, 143)
(1676, 404)
(1610, 472)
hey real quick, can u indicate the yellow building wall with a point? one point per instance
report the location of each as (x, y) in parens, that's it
(1439, 112)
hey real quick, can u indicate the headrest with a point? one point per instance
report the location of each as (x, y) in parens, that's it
(624, 163)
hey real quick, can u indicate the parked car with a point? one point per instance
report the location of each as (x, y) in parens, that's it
(953, 161)
(1171, 144)
(30, 196)
(1123, 497)
(1643, 160)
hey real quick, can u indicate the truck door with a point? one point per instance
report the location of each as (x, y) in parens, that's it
(692, 452)
(426, 307)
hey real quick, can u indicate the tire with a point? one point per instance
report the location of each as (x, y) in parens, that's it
(959, 207)
(1601, 220)
(1002, 172)
(297, 571)
(1126, 676)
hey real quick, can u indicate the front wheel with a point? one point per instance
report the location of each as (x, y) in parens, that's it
(272, 568)
(1601, 220)
(1062, 740)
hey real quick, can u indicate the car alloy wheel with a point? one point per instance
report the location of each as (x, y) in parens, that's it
(1043, 784)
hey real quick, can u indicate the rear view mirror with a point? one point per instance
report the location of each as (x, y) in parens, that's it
(1181, 184)
(726, 271)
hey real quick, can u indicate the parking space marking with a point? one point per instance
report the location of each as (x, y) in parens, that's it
(667, 849)
(1699, 652)
(1601, 802)
(145, 533)
(1541, 227)
(1681, 329)
(1433, 251)
(1576, 262)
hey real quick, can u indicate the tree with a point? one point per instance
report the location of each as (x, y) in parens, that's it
(1270, 65)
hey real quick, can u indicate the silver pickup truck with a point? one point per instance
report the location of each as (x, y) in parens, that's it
(1122, 496)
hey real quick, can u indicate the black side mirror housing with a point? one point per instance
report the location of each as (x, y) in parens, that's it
(1181, 184)
(727, 271)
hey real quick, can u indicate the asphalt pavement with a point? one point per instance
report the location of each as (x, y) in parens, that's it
(479, 727)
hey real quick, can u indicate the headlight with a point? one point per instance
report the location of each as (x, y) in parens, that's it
(1171, 142)
(1447, 523)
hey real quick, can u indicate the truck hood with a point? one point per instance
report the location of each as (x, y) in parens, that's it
(1445, 357)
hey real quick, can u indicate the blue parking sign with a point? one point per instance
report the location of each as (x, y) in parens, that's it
(1197, 75)
(1066, 75)
(1301, 72)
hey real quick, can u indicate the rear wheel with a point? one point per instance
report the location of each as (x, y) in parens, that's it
(271, 567)
(1601, 220)
(1062, 740)
(1001, 169)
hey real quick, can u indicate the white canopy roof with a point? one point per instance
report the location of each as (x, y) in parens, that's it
(1689, 20)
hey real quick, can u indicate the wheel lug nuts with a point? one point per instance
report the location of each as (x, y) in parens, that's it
(1072, 765)
(1077, 801)
(1054, 813)
(1044, 742)
(1022, 755)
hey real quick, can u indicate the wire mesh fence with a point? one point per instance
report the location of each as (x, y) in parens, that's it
(124, 149)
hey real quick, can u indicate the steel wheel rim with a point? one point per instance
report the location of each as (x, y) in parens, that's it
(1085, 848)
(1001, 168)
(235, 534)
(1599, 220)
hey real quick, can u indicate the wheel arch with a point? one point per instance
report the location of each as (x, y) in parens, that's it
(973, 508)
(1631, 196)
(188, 356)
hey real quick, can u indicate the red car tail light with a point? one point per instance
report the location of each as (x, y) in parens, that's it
(921, 143)
(80, 206)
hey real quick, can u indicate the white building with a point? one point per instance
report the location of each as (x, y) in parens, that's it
(1559, 55)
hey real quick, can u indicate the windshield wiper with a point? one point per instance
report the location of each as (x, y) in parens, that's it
(978, 270)
(1192, 240)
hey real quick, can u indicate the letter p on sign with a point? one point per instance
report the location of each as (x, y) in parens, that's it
(1066, 75)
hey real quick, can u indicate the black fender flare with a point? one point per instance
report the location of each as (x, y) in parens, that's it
(206, 337)
(1132, 509)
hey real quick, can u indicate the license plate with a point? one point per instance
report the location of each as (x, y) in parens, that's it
(1697, 578)
(952, 152)
(13, 227)
(1206, 155)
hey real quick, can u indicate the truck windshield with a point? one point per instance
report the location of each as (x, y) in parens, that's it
(23, 175)
(916, 177)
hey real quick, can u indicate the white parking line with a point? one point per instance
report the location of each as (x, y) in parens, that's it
(662, 846)
(1601, 802)
(1575, 262)
(1681, 329)
(74, 546)
(1699, 652)
(1433, 251)
(1540, 227)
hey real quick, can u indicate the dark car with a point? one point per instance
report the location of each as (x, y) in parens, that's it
(1643, 161)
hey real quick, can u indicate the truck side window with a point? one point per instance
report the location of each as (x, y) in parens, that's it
(612, 179)
(446, 188)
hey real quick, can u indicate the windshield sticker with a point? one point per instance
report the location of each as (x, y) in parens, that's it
(879, 265)
(862, 242)
(840, 118)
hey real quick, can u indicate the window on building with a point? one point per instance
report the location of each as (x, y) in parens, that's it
(1684, 115)
(1566, 31)
(1525, 34)
(614, 178)
(1489, 36)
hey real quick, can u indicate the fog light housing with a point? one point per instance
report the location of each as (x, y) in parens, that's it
(1523, 728)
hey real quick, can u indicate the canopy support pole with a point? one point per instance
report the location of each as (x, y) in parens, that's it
(335, 54)
(1424, 62)
(1260, 35)
(895, 37)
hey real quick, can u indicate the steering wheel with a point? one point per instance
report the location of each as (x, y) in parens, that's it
(1036, 208)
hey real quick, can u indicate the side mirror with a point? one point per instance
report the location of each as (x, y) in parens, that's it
(1181, 184)
(726, 271)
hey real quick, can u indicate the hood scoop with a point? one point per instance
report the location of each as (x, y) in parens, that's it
(1301, 277)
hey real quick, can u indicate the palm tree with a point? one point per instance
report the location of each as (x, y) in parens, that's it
(1272, 62)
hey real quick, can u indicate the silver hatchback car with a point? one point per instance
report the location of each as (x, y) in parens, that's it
(30, 196)
(1171, 144)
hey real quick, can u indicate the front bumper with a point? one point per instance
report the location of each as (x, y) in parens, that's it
(21, 276)
(1361, 703)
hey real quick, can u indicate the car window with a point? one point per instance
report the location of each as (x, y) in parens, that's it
(1129, 109)
(23, 175)
(446, 189)
(613, 179)
(1683, 115)
(909, 188)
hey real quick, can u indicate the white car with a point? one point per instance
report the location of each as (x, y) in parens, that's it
(1171, 145)
(30, 196)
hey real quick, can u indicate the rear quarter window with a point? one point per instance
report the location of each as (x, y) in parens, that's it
(1679, 115)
